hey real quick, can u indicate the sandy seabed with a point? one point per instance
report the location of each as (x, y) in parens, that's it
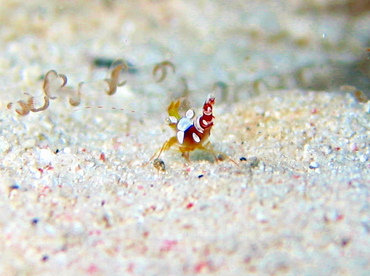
(76, 198)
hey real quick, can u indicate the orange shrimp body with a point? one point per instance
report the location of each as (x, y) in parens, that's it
(191, 132)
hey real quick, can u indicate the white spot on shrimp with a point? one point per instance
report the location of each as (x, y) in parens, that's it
(172, 120)
(190, 114)
(184, 124)
(197, 125)
(196, 138)
(208, 111)
(180, 136)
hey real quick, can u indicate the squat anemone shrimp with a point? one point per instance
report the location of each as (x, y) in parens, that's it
(192, 132)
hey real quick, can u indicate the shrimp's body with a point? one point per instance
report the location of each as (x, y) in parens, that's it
(191, 132)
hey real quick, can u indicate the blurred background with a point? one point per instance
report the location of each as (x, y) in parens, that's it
(234, 48)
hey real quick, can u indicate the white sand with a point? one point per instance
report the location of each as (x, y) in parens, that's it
(298, 204)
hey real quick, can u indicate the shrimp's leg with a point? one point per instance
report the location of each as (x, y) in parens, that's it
(166, 146)
(185, 153)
